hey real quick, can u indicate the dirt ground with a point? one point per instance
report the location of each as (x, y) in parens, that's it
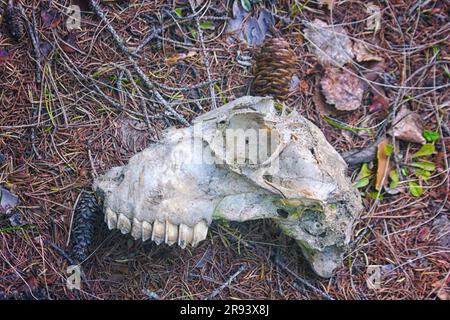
(85, 116)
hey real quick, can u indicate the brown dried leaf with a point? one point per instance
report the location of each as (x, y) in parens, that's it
(362, 53)
(423, 234)
(4, 56)
(380, 103)
(50, 18)
(342, 89)
(408, 126)
(442, 289)
(383, 165)
(45, 48)
(180, 56)
(69, 42)
(330, 44)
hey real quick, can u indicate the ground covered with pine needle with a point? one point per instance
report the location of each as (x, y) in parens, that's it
(79, 107)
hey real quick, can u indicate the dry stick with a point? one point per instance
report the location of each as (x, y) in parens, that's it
(301, 280)
(226, 283)
(148, 84)
(64, 254)
(71, 218)
(278, 262)
(31, 27)
(98, 11)
(205, 56)
(142, 104)
(32, 32)
(151, 87)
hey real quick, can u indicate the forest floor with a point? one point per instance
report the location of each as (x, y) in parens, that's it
(76, 114)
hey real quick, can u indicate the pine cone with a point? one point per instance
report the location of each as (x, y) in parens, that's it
(85, 219)
(14, 22)
(275, 66)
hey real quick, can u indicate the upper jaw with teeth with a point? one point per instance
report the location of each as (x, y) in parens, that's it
(171, 191)
(158, 231)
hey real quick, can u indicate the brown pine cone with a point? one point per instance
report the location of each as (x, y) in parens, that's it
(14, 22)
(274, 68)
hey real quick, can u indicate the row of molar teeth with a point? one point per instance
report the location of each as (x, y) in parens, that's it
(158, 231)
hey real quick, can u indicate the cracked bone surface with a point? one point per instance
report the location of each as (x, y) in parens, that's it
(243, 161)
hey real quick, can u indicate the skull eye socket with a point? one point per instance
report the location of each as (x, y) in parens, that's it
(282, 213)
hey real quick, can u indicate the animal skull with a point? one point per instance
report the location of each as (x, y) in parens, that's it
(243, 161)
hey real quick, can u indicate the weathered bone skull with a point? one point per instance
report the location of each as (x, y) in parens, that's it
(243, 161)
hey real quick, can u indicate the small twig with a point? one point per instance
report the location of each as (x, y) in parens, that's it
(151, 87)
(98, 11)
(64, 254)
(366, 154)
(147, 83)
(226, 283)
(277, 261)
(71, 218)
(91, 160)
(32, 31)
(194, 87)
(142, 104)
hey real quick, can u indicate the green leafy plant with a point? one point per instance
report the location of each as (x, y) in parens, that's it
(415, 189)
(431, 136)
(363, 177)
(208, 25)
(426, 150)
(393, 175)
(178, 12)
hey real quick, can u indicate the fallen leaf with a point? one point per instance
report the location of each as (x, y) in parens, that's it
(234, 25)
(4, 56)
(320, 103)
(423, 234)
(17, 220)
(8, 200)
(382, 165)
(342, 89)
(50, 18)
(441, 228)
(379, 104)
(45, 49)
(374, 20)
(69, 43)
(408, 126)
(362, 53)
(442, 289)
(265, 20)
(253, 33)
(330, 44)
(374, 70)
(180, 56)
